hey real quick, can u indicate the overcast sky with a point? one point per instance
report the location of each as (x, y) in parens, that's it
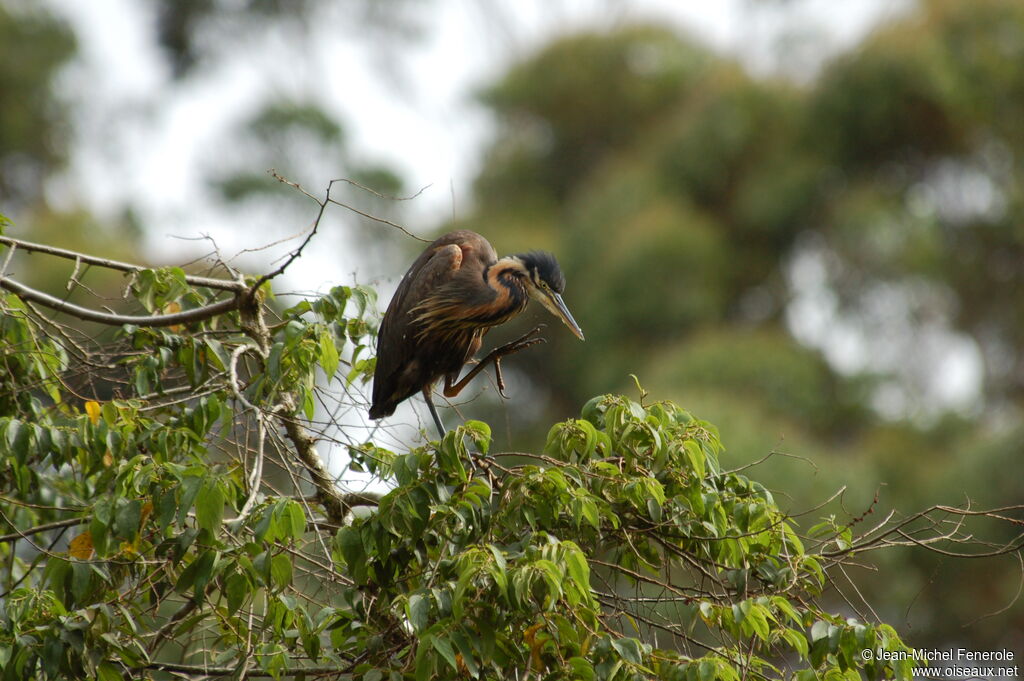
(404, 102)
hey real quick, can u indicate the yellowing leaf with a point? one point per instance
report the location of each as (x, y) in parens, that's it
(173, 307)
(530, 637)
(93, 410)
(108, 459)
(147, 510)
(81, 546)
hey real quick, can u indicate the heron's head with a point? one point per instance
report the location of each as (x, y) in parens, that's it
(545, 283)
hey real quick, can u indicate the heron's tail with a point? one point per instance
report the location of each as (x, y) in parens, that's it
(379, 410)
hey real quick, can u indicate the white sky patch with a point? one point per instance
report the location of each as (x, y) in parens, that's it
(142, 137)
(936, 367)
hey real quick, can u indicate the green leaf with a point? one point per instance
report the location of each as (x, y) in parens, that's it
(216, 355)
(143, 385)
(197, 574)
(579, 570)
(419, 611)
(757, 621)
(706, 669)
(629, 649)
(267, 528)
(480, 433)
(581, 669)
(281, 570)
(792, 538)
(462, 642)
(814, 567)
(590, 513)
(328, 353)
(127, 518)
(293, 520)
(589, 438)
(797, 641)
(81, 580)
(364, 298)
(450, 452)
(308, 405)
(99, 526)
(351, 544)
(654, 510)
(820, 630)
(108, 672)
(273, 366)
(236, 588)
(444, 647)
(424, 662)
(190, 487)
(18, 439)
(210, 506)
(786, 608)
(695, 457)
(299, 309)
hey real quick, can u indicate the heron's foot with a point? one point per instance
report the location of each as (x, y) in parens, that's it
(452, 388)
(521, 343)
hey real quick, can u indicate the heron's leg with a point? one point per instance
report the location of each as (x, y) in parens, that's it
(440, 426)
(494, 357)
(433, 412)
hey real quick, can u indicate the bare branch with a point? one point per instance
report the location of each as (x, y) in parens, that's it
(208, 282)
(22, 534)
(207, 671)
(298, 251)
(186, 317)
(386, 197)
(326, 491)
(384, 221)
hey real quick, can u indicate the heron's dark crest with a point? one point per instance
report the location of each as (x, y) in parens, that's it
(454, 292)
(545, 268)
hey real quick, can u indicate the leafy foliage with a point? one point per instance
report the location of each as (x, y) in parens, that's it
(144, 538)
(124, 512)
(572, 563)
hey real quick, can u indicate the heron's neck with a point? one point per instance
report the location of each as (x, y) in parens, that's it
(505, 278)
(506, 273)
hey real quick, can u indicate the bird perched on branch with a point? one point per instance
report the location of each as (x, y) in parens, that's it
(452, 295)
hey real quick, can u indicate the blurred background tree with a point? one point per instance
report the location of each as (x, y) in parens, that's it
(827, 267)
(696, 208)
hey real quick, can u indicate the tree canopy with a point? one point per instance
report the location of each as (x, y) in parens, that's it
(166, 506)
(170, 513)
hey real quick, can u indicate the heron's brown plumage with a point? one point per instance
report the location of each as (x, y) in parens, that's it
(455, 306)
(452, 294)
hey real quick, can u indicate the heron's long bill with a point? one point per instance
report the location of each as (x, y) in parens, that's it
(556, 306)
